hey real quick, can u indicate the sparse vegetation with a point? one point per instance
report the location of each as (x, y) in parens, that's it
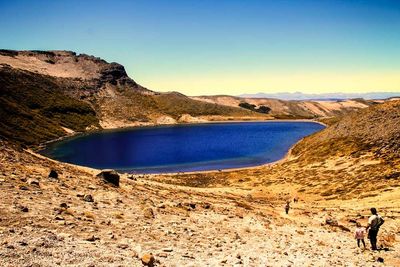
(33, 108)
(252, 107)
(175, 104)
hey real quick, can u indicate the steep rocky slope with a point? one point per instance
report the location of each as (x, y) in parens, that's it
(34, 108)
(285, 109)
(374, 130)
(89, 92)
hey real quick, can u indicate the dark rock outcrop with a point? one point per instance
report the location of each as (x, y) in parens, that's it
(109, 176)
(53, 174)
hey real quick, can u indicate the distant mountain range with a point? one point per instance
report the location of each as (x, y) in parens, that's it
(328, 96)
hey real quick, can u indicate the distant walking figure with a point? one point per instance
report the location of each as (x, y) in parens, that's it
(287, 207)
(359, 234)
(374, 223)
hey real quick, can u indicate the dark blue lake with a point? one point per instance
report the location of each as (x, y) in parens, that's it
(181, 148)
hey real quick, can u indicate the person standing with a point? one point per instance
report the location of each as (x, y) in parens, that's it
(359, 234)
(287, 207)
(374, 223)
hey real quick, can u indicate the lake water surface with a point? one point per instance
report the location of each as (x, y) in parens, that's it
(181, 148)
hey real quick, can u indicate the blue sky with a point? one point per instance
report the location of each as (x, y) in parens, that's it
(222, 47)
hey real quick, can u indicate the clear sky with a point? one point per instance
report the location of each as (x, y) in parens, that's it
(222, 47)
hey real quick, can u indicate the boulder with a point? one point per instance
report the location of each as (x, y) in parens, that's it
(92, 238)
(331, 221)
(148, 259)
(64, 205)
(24, 209)
(88, 198)
(53, 174)
(109, 176)
(22, 187)
(148, 213)
(32, 181)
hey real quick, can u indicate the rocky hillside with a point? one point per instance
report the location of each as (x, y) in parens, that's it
(34, 108)
(286, 109)
(358, 156)
(374, 130)
(55, 89)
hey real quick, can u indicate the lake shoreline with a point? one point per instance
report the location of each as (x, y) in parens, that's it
(43, 145)
(174, 172)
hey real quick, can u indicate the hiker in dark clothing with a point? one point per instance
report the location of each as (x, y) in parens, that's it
(374, 223)
(287, 207)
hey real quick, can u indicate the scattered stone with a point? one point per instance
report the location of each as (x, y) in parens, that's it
(24, 209)
(206, 205)
(167, 250)
(59, 218)
(22, 187)
(23, 243)
(332, 222)
(32, 181)
(88, 198)
(162, 255)
(300, 232)
(148, 213)
(123, 246)
(92, 238)
(188, 256)
(109, 176)
(148, 259)
(380, 259)
(135, 254)
(64, 205)
(53, 174)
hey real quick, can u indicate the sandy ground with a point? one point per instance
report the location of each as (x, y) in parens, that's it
(212, 219)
